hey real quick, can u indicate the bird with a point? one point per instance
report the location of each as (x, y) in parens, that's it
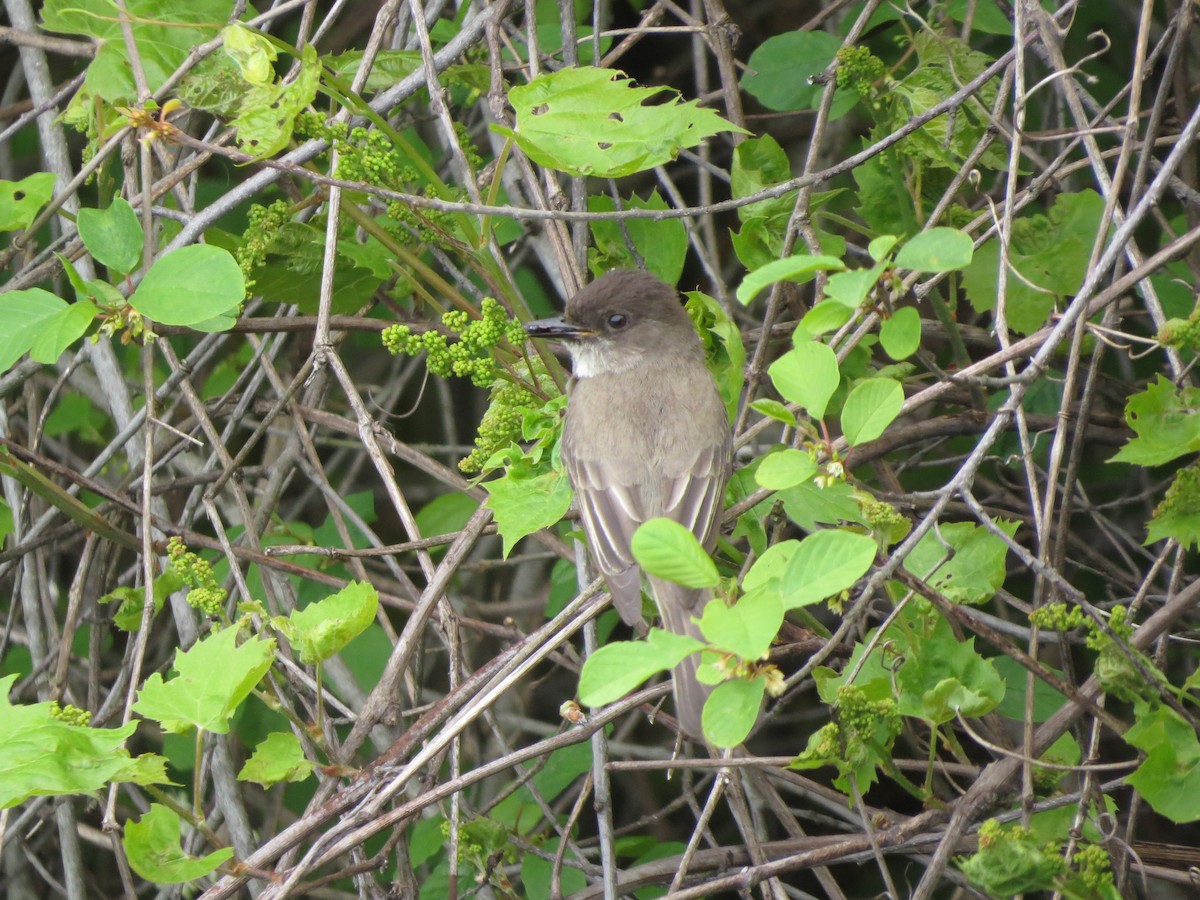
(646, 434)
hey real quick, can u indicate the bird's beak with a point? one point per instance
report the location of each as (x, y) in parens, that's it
(556, 328)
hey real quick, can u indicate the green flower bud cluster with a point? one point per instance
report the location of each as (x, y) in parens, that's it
(313, 124)
(196, 573)
(468, 357)
(1183, 334)
(500, 425)
(369, 155)
(1094, 869)
(474, 160)
(1058, 617)
(426, 222)
(264, 223)
(72, 715)
(859, 70)
(860, 717)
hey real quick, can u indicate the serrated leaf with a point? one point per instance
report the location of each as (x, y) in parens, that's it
(666, 549)
(21, 200)
(966, 562)
(1169, 778)
(592, 121)
(523, 504)
(155, 850)
(660, 244)
(807, 375)
(616, 669)
(324, 628)
(190, 285)
(113, 236)
(1165, 422)
(731, 711)
(268, 112)
(870, 408)
(278, 758)
(826, 563)
(42, 756)
(213, 679)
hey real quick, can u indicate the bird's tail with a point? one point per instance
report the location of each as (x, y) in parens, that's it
(677, 605)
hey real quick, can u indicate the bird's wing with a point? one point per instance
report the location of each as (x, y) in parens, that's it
(611, 513)
(695, 497)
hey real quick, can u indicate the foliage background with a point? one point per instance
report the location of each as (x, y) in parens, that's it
(292, 435)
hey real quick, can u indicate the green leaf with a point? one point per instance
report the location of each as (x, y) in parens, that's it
(252, 53)
(24, 315)
(190, 285)
(43, 756)
(591, 121)
(278, 758)
(870, 408)
(746, 628)
(731, 711)
(1049, 254)
(1013, 863)
(799, 268)
(660, 243)
(1046, 700)
(826, 316)
(778, 73)
(936, 250)
(1178, 515)
(773, 409)
(113, 236)
(214, 677)
(784, 469)
(21, 200)
(771, 566)
(616, 669)
(524, 504)
(964, 561)
(1169, 778)
(268, 112)
(61, 330)
(723, 349)
(880, 248)
(807, 375)
(324, 628)
(850, 288)
(538, 876)
(163, 33)
(826, 563)
(900, 335)
(1165, 423)
(155, 849)
(667, 549)
(942, 677)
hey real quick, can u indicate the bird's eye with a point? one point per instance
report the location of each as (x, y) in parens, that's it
(617, 321)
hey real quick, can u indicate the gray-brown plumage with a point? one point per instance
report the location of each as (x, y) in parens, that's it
(646, 435)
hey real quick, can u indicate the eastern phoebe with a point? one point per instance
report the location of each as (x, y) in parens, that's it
(646, 435)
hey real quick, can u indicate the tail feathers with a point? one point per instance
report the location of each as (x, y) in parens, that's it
(676, 606)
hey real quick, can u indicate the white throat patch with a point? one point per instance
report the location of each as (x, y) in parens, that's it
(595, 357)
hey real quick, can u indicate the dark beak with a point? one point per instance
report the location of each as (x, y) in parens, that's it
(556, 328)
